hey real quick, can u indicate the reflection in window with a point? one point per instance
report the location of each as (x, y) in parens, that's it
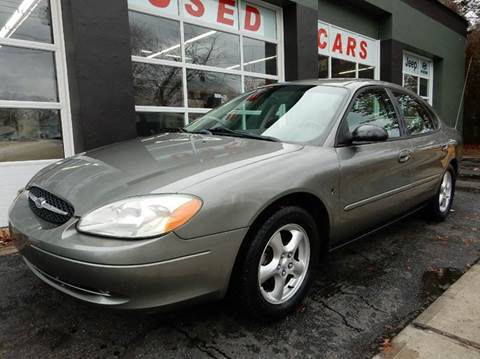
(30, 135)
(374, 108)
(210, 47)
(154, 37)
(415, 115)
(208, 89)
(26, 20)
(152, 123)
(157, 85)
(366, 72)
(27, 75)
(293, 113)
(411, 82)
(192, 117)
(322, 67)
(259, 56)
(343, 69)
(251, 83)
(419, 85)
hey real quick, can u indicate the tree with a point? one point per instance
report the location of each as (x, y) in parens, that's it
(470, 9)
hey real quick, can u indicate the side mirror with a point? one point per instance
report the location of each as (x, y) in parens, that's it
(369, 133)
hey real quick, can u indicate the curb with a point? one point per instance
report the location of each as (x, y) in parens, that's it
(449, 328)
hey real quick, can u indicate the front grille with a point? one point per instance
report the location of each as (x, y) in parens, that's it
(49, 207)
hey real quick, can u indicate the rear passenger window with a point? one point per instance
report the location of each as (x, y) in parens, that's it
(417, 118)
(373, 107)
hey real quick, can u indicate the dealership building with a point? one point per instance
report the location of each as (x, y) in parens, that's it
(78, 74)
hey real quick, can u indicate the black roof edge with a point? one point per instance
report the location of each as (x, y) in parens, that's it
(461, 17)
(441, 13)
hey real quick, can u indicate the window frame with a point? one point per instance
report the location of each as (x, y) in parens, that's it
(185, 109)
(57, 48)
(340, 136)
(376, 69)
(424, 104)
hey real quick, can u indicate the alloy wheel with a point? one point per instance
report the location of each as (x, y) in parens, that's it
(284, 264)
(446, 189)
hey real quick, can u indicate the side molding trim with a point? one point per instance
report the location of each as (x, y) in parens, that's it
(390, 193)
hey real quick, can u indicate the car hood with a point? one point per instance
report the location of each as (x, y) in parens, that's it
(167, 163)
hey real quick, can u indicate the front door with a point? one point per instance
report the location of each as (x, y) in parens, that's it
(374, 176)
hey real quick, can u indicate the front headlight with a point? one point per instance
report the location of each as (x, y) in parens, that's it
(141, 217)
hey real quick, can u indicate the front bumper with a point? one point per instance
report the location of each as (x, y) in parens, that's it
(123, 273)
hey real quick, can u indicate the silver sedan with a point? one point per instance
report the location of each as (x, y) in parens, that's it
(242, 201)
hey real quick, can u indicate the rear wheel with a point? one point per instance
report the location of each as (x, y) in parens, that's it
(441, 204)
(276, 272)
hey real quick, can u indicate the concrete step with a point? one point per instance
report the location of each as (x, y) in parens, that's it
(470, 169)
(469, 186)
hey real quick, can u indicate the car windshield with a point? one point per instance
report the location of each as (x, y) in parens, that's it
(286, 113)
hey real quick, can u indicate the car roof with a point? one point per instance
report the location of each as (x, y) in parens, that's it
(353, 84)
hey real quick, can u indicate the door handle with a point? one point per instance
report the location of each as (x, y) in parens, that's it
(404, 156)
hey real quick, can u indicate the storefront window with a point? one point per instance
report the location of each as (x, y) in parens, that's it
(26, 20)
(204, 46)
(323, 65)
(366, 72)
(155, 38)
(32, 107)
(343, 69)
(152, 123)
(259, 56)
(27, 75)
(186, 63)
(418, 75)
(208, 89)
(192, 116)
(423, 87)
(251, 83)
(157, 85)
(410, 82)
(30, 135)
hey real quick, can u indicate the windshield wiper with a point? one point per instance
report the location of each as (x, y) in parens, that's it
(199, 132)
(228, 132)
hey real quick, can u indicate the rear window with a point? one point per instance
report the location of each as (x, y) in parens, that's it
(418, 119)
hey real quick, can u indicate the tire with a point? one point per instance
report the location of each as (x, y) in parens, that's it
(265, 255)
(440, 205)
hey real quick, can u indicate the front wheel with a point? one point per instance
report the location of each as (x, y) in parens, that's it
(441, 204)
(278, 267)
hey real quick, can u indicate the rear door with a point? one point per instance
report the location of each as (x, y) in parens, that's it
(429, 144)
(373, 175)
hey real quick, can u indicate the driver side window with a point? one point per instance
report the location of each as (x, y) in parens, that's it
(374, 107)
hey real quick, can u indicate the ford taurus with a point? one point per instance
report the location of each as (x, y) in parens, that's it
(244, 200)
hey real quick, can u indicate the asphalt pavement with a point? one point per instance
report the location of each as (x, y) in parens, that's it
(364, 294)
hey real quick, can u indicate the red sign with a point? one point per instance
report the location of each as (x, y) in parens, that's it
(336, 42)
(233, 14)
